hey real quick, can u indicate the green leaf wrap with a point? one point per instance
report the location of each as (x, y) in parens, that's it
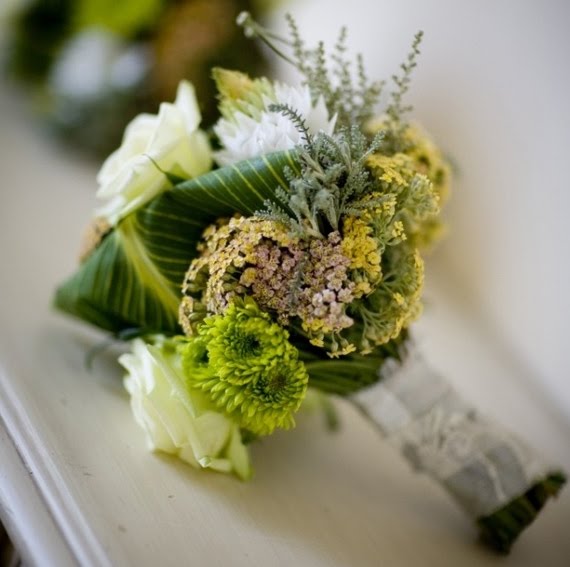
(134, 277)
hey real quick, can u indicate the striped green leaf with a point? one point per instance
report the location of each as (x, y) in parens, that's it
(133, 279)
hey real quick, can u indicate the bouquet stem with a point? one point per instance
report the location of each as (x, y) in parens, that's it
(499, 481)
(500, 529)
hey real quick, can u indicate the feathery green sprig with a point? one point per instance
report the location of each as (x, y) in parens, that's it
(345, 87)
(396, 109)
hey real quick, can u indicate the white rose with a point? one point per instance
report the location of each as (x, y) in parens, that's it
(178, 420)
(169, 141)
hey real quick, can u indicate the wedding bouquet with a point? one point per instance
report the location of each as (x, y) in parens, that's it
(282, 252)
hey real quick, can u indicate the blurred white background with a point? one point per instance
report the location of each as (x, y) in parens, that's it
(492, 87)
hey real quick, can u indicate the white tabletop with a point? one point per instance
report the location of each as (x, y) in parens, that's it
(81, 486)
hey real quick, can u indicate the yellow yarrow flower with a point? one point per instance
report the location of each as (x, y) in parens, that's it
(361, 247)
(396, 302)
(418, 155)
(396, 170)
(398, 231)
(429, 160)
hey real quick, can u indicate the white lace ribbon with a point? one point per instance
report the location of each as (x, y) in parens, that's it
(481, 464)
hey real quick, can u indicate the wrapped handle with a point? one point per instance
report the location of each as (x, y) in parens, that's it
(493, 475)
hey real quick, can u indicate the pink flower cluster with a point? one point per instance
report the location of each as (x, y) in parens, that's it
(306, 279)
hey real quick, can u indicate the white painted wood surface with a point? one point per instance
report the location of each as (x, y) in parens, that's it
(90, 493)
(24, 513)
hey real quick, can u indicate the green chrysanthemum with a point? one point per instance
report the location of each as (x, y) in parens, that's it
(194, 356)
(244, 342)
(267, 402)
(253, 372)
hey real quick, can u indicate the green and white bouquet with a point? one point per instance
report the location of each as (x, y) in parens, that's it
(282, 252)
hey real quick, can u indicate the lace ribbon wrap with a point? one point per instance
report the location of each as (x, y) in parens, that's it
(482, 465)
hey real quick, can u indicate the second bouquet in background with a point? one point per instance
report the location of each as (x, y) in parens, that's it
(92, 65)
(288, 255)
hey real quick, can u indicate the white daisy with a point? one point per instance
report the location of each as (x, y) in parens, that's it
(244, 137)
